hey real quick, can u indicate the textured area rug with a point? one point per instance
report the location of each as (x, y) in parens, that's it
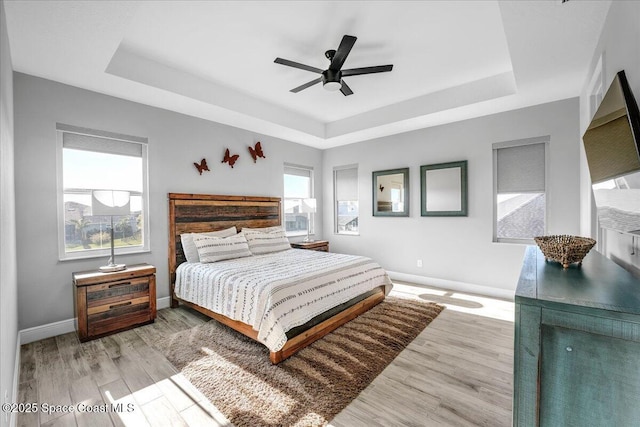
(309, 388)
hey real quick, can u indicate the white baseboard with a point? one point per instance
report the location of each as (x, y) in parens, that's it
(47, 331)
(25, 336)
(164, 302)
(16, 381)
(454, 285)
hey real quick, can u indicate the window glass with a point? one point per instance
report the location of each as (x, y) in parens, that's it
(97, 163)
(520, 215)
(298, 185)
(346, 200)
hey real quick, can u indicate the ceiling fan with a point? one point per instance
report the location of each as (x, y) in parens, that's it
(332, 77)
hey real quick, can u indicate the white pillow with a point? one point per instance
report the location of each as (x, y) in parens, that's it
(212, 249)
(266, 242)
(189, 248)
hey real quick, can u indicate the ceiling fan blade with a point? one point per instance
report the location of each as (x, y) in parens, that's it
(298, 65)
(345, 89)
(306, 85)
(343, 51)
(367, 70)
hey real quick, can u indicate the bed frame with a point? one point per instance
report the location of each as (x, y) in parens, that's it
(199, 213)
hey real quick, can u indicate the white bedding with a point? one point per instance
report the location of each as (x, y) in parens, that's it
(278, 291)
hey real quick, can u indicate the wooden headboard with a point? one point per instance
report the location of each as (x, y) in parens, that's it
(199, 213)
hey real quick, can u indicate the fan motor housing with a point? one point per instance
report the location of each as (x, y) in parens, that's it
(331, 76)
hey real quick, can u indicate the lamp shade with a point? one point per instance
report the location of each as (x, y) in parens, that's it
(308, 206)
(110, 202)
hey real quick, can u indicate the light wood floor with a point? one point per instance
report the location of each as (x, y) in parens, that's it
(458, 372)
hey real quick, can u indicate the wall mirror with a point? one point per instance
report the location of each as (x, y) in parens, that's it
(443, 189)
(391, 192)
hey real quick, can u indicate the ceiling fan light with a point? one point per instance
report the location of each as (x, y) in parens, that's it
(332, 86)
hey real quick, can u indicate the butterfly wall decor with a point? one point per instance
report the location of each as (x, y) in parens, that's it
(202, 166)
(230, 159)
(381, 188)
(256, 152)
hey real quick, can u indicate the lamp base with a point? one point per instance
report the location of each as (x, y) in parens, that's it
(112, 267)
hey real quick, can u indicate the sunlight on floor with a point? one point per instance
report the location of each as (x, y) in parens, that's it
(457, 301)
(197, 408)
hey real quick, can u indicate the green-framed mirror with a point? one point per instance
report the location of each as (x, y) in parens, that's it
(391, 192)
(443, 189)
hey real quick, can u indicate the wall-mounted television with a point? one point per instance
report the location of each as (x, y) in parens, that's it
(612, 146)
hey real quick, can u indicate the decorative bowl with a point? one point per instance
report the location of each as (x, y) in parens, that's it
(564, 249)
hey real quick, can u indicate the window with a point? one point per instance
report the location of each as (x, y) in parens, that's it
(596, 88)
(298, 185)
(96, 160)
(520, 190)
(345, 181)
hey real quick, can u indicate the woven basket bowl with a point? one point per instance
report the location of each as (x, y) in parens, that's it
(564, 249)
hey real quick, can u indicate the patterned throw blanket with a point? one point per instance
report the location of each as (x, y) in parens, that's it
(278, 291)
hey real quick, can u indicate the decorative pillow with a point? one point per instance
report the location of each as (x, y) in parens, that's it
(189, 248)
(266, 242)
(212, 249)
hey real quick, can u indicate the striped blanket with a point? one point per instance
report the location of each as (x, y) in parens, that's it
(278, 291)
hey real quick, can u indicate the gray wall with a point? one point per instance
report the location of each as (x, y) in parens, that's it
(175, 142)
(8, 272)
(458, 249)
(444, 244)
(619, 46)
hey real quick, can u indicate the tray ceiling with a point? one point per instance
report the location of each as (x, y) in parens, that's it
(452, 60)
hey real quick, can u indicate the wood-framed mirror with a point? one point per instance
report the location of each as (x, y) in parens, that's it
(443, 189)
(391, 192)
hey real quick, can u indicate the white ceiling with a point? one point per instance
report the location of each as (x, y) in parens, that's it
(452, 60)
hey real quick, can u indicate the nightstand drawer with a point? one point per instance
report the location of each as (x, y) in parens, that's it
(106, 294)
(118, 316)
(117, 304)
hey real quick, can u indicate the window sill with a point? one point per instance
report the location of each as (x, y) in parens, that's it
(347, 234)
(102, 254)
(298, 234)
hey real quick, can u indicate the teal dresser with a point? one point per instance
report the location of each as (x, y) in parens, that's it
(577, 344)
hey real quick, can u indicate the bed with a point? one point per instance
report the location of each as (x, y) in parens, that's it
(286, 300)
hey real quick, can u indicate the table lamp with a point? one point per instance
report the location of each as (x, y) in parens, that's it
(308, 207)
(110, 203)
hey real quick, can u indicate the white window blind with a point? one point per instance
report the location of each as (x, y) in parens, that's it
(297, 171)
(347, 184)
(521, 169)
(101, 145)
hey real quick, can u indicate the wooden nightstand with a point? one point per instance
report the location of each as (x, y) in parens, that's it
(317, 245)
(112, 302)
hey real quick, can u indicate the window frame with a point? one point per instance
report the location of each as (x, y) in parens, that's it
(63, 255)
(312, 217)
(336, 201)
(517, 143)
